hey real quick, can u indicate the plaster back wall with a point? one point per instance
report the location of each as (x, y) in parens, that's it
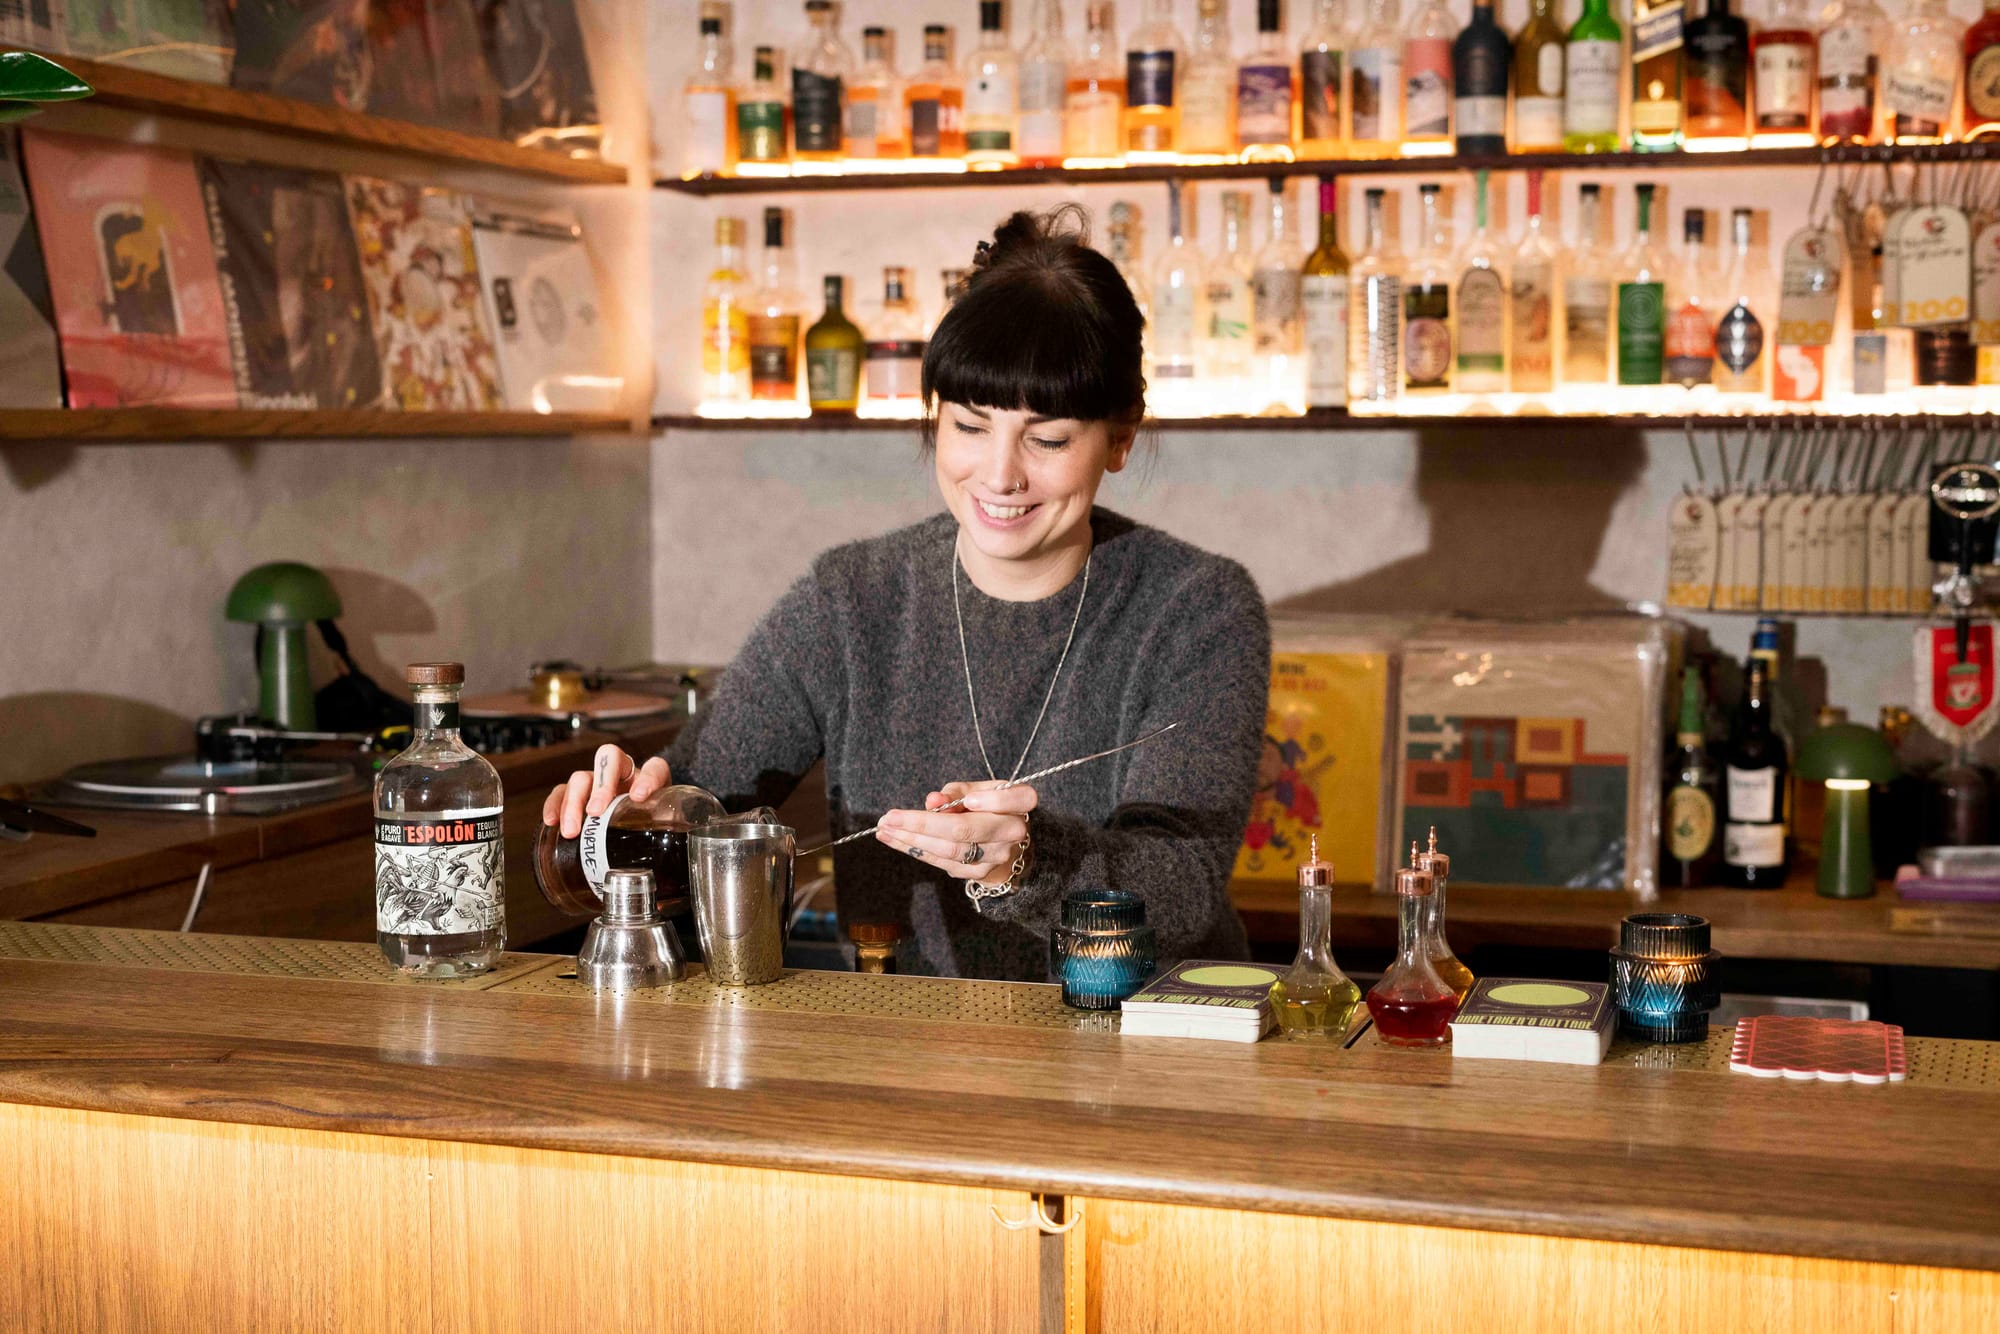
(117, 559)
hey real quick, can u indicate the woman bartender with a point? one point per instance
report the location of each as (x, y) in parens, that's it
(1020, 628)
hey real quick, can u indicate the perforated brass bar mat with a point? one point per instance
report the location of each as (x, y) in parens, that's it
(1933, 1062)
(939, 999)
(246, 956)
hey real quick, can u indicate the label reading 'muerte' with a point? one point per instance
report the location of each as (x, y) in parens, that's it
(439, 873)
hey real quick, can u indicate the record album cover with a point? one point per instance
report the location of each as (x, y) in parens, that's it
(467, 93)
(422, 275)
(131, 272)
(30, 376)
(299, 329)
(536, 51)
(541, 297)
(188, 39)
(40, 25)
(405, 81)
(314, 50)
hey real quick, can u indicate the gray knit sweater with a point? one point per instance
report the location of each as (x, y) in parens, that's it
(859, 664)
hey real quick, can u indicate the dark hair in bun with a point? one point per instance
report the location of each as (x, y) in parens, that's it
(1041, 324)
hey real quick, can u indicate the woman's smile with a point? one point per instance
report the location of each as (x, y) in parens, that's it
(1004, 515)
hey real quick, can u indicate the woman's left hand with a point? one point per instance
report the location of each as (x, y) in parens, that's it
(978, 841)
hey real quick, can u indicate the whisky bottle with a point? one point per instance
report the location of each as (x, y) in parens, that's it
(1375, 324)
(934, 101)
(1323, 82)
(1427, 325)
(1375, 87)
(1044, 86)
(1265, 93)
(818, 89)
(773, 319)
(992, 95)
(1481, 60)
(1586, 288)
(1532, 309)
(1538, 81)
(1642, 303)
(1783, 55)
(725, 326)
(763, 117)
(1656, 74)
(874, 127)
(1717, 84)
(1323, 304)
(440, 869)
(833, 356)
(1094, 104)
(1153, 76)
(708, 101)
(1590, 80)
(1482, 305)
(1689, 845)
(1427, 81)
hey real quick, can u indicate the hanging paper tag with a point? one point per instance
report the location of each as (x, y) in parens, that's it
(1934, 273)
(1954, 697)
(1818, 578)
(1693, 553)
(1986, 285)
(1886, 590)
(1726, 511)
(1851, 581)
(1792, 555)
(1771, 596)
(1892, 256)
(1809, 297)
(1749, 542)
(1913, 517)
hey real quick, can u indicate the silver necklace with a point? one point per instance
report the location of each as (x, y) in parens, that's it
(966, 658)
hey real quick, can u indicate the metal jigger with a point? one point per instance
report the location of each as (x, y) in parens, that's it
(629, 947)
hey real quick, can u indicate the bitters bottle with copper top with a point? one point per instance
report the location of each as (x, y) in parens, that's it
(1412, 1005)
(1455, 974)
(1314, 998)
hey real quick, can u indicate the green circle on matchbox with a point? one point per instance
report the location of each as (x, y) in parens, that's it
(1228, 976)
(1538, 993)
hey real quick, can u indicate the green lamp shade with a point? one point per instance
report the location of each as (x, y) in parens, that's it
(1847, 757)
(282, 597)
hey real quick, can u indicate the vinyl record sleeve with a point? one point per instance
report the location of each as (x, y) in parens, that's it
(300, 334)
(314, 50)
(187, 39)
(39, 25)
(422, 275)
(30, 374)
(535, 50)
(468, 94)
(131, 272)
(541, 297)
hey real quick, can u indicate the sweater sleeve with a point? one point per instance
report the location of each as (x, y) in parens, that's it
(767, 725)
(1184, 800)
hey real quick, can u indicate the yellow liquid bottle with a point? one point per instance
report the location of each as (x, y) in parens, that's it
(1314, 999)
(1455, 974)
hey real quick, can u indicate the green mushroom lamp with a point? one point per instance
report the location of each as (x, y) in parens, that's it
(1849, 759)
(282, 598)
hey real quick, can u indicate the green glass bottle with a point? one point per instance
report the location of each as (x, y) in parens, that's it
(833, 356)
(1642, 304)
(1690, 841)
(1592, 85)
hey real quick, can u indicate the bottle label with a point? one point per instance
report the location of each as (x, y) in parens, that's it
(1586, 329)
(990, 139)
(1427, 81)
(707, 131)
(1847, 66)
(1549, 72)
(1753, 844)
(1641, 332)
(1690, 348)
(932, 119)
(1482, 92)
(1656, 29)
(1482, 311)
(1229, 313)
(1041, 124)
(1982, 84)
(1319, 94)
(1042, 84)
(1208, 95)
(992, 95)
(440, 873)
(1717, 78)
(1264, 104)
(1591, 105)
(1690, 824)
(1784, 86)
(1173, 324)
(1538, 121)
(1323, 304)
(1986, 285)
(1753, 795)
(1275, 301)
(1377, 320)
(1484, 117)
(760, 131)
(863, 123)
(832, 374)
(1532, 351)
(1149, 79)
(816, 111)
(592, 845)
(895, 368)
(1427, 337)
(1093, 124)
(1378, 104)
(1739, 339)
(774, 356)
(1919, 100)
(725, 337)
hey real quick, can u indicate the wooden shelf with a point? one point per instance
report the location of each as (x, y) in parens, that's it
(180, 425)
(1333, 420)
(140, 90)
(1400, 166)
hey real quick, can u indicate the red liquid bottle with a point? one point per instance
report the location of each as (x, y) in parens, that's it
(1412, 1006)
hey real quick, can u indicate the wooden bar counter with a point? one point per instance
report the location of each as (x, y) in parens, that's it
(227, 1133)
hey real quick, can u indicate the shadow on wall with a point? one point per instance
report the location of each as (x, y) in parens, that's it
(371, 605)
(50, 731)
(1516, 525)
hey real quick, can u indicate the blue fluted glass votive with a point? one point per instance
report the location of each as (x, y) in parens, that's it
(1102, 951)
(1663, 977)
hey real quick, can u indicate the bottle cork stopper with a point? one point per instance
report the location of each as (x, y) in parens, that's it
(435, 674)
(1315, 872)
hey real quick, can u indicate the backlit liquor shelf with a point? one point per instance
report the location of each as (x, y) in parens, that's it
(1336, 420)
(184, 425)
(953, 176)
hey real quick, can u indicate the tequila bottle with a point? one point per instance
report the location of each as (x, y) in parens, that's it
(1427, 324)
(819, 89)
(1851, 36)
(1275, 314)
(1153, 72)
(1375, 326)
(1208, 89)
(1532, 309)
(1482, 305)
(708, 101)
(440, 869)
(1642, 303)
(1178, 306)
(992, 95)
(1094, 106)
(1265, 93)
(1412, 1006)
(1586, 288)
(1314, 999)
(1323, 303)
(1590, 80)
(1427, 81)
(1227, 340)
(1920, 72)
(1375, 87)
(1044, 88)
(1323, 82)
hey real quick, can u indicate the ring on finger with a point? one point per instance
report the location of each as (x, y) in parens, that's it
(974, 854)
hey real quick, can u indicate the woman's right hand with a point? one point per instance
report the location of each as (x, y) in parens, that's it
(589, 791)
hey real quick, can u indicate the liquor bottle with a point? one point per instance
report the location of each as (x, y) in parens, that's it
(1276, 333)
(1323, 82)
(1094, 108)
(1657, 50)
(1454, 973)
(1481, 60)
(725, 323)
(1375, 89)
(649, 835)
(1375, 321)
(1749, 303)
(1044, 88)
(1482, 304)
(833, 356)
(1531, 306)
(1642, 303)
(763, 117)
(1755, 772)
(1538, 81)
(1851, 37)
(894, 355)
(1178, 304)
(1718, 80)
(708, 102)
(1314, 999)
(1226, 342)
(1412, 1006)
(1123, 250)
(1323, 304)
(1207, 93)
(1790, 718)
(1427, 83)
(1982, 74)
(1690, 339)
(773, 319)
(992, 95)
(1264, 93)
(874, 115)
(818, 89)
(1920, 70)
(440, 872)
(1783, 54)
(934, 101)
(1586, 289)
(1152, 86)
(1427, 301)
(1590, 80)
(1689, 846)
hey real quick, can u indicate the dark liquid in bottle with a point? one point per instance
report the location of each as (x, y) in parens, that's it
(1418, 1021)
(664, 852)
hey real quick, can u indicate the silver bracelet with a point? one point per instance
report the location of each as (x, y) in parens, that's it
(1015, 873)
